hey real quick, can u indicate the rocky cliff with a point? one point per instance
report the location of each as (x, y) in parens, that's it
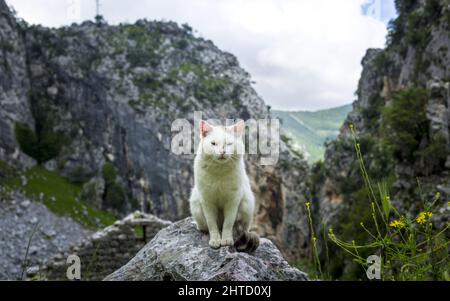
(94, 103)
(401, 118)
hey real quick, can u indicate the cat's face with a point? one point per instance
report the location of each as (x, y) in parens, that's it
(222, 144)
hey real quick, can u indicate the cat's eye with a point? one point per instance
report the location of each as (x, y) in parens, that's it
(213, 143)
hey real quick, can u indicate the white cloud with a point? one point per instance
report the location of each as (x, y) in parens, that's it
(303, 54)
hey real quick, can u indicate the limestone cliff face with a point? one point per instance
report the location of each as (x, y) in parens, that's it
(113, 92)
(95, 103)
(14, 86)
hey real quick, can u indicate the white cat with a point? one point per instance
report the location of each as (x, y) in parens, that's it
(222, 202)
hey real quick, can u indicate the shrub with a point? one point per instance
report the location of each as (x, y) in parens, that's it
(433, 10)
(115, 195)
(317, 177)
(142, 57)
(405, 123)
(187, 28)
(395, 31)
(418, 30)
(207, 87)
(109, 173)
(147, 81)
(50, 145)
(43, 146)
(371, 113)
(381, 62)
(432, 158)
(210, 89)
(182, 44)
(27, 139)
(147, 42)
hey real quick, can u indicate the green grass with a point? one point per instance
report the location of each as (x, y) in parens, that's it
(60, 196)
(139, 231)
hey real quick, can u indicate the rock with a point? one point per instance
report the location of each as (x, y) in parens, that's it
(23, 180)
(18, 219)
(181, 252)
(25, 204)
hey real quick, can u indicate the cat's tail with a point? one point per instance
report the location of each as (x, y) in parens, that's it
(247, 242)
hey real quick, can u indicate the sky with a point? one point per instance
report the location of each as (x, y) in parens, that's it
(301, 54)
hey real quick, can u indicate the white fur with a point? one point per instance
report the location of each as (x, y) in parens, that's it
(221, 195)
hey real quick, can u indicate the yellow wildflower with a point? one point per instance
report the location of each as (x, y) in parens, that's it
(398, 223)
(423, 217)
(308, 204)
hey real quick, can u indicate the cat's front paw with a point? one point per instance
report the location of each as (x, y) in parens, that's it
(214, 243)
(227, 240)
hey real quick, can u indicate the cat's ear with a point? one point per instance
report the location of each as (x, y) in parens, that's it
(205, 128)
(238, 128)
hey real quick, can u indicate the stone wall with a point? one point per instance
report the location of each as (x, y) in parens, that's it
(105, 251)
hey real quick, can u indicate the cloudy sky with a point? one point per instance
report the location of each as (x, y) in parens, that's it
(302, 54)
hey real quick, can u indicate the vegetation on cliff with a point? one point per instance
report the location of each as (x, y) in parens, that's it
(402, 133)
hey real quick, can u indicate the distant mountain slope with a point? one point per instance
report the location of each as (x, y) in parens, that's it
(309, 130)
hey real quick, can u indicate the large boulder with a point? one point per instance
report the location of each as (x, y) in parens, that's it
(181, 252)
